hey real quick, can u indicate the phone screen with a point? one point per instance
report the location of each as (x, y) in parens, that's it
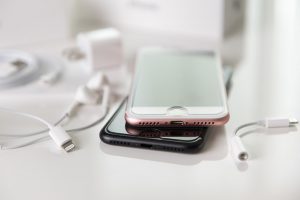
(173, 78)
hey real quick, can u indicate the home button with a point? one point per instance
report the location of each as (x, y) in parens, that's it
(177, 110)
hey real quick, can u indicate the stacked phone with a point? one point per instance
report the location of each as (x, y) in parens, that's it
(176, 96)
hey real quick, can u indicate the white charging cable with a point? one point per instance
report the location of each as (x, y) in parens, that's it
(57, 133)
(18, 68)
(239, 151)
(45, 137)
(94, 92)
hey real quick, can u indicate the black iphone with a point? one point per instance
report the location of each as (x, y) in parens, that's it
(117, 132)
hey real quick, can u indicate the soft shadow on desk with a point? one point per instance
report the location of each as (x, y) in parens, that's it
(215, 149)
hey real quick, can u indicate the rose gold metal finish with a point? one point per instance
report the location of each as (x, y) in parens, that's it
(194, 122)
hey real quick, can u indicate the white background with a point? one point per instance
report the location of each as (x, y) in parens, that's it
(266, 83)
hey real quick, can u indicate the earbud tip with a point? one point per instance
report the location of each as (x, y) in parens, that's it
(97, 81)
(86, 96)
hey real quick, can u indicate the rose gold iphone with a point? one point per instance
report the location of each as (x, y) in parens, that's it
(177, 88)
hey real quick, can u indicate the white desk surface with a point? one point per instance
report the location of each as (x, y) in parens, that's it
(265, 83)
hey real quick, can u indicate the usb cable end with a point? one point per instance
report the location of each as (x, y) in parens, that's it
(61, 138)
(68, 146)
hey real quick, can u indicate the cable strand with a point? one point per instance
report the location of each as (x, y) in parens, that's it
(37, 132)
(244, 126)
(46, 137)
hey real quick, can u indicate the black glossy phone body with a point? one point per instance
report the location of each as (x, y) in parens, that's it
(116, 132)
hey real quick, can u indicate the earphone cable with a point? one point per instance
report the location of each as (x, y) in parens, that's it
(46, 137)
(244, 126)
(65, 116)
(27, 115)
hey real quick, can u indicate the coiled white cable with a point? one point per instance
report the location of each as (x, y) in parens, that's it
(26, 65)
(20, 68)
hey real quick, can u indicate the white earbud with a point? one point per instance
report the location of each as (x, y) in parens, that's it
(90, 94)
(97, 81)
(84, 95)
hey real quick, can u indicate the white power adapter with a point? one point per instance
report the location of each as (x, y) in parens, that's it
(97, 49)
